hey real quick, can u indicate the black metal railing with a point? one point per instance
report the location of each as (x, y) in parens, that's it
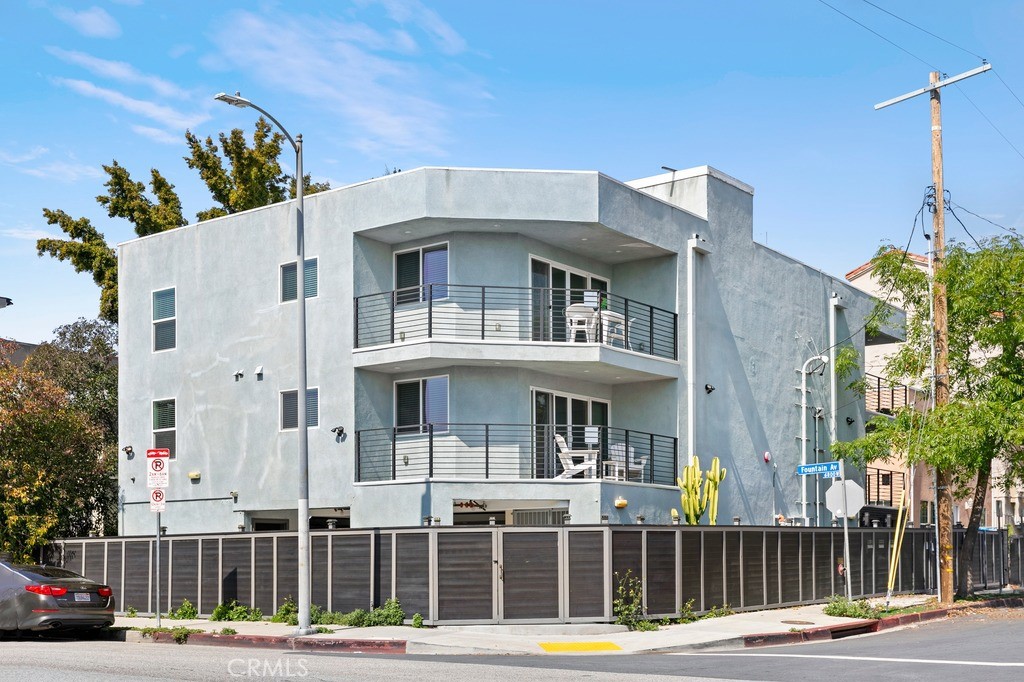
(883, 396)
(883, 487)
(498, 313)
(515, 452)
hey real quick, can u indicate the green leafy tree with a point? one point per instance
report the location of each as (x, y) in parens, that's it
(51, 462)
(254, 178)
(984, 419)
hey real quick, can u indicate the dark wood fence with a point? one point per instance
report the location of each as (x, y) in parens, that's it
(497, 574)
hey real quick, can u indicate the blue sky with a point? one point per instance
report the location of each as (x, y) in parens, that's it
(778, 94)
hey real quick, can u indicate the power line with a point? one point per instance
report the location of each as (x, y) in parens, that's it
(1007, 86)
(1011, 230)
(978, 109)
(976, 243)
(871, 30)
(923, 30)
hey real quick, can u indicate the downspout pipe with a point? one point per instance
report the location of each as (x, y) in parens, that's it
(694, 245)
(804, 371)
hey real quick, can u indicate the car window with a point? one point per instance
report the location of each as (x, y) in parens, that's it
(34, 572)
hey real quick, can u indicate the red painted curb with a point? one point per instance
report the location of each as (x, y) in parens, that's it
(772, 639)
(362, 646)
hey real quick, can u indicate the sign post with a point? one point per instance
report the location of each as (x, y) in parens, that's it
(157, 478)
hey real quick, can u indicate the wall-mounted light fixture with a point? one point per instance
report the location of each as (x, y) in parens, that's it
(849, 421)
(129, 451)
(620, 502)
(338, 431)
(239, 374)
(194, 475)
(234, 495)
(258, 372)
(709, 389)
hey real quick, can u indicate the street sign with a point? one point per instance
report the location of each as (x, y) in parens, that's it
(157, 500)
(157, 468)
(854, 498)
(819, 468)
(830, 474)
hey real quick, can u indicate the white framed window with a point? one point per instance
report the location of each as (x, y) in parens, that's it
(165, 333)
(289, 280)
(164, 425)
(290, 409)
(421, 402)
(422, 273)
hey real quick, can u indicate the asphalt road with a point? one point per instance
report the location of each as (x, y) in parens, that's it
(984, 646)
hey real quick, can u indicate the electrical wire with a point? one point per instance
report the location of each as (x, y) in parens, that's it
(1011, 230)
(923, 30)
(867, 28)
(1006, 85)
(978, 109)
(976, 243)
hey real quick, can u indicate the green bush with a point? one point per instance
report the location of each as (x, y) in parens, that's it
(131, 612)
(187, 611)
(234, 611)
(287, 612)
(417, 620)
(228, 631)
(356, 619)
(389, 614)
(628, 605)
(718, 612)
(838, 605)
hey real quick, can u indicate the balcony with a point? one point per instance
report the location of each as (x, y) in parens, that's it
(883, 487)
(510, 452)
(514, 315)
(885, 397)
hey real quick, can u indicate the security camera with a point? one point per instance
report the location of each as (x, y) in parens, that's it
(339, 430)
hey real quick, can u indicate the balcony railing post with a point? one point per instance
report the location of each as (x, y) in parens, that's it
(430, 450)
(359, 457)
(651, 468)
(650, 349)
(430, 311)
(394, 302)
(483, 313)
(487, 450)
(675, 336)
(394, 453)
(355, 321)
(675, 456)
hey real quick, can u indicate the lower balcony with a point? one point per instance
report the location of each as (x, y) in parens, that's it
(884, 487)
(513, 452)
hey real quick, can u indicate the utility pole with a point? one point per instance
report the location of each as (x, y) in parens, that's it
(943, 492)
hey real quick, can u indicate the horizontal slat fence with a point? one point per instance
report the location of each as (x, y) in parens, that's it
(497, 574)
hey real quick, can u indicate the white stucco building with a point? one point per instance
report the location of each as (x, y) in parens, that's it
(460, 321)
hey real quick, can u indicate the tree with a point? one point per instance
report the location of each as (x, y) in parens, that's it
(984, 419)
(52, 461)
(255, 179)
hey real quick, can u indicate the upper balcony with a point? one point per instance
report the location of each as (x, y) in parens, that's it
(581, 326)
(885, 397)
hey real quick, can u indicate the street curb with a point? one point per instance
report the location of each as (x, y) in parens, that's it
(829, 632)
(360, 646)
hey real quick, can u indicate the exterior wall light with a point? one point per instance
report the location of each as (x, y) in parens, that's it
(620, 502)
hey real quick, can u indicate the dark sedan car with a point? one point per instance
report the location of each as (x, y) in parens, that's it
(51, 598)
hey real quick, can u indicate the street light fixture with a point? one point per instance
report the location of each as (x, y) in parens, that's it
(304, 628)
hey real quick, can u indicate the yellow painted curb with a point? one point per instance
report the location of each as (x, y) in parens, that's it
(555, 647)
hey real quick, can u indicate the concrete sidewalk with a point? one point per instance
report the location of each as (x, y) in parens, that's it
(757, 628)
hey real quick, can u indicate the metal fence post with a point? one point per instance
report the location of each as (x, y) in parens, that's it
(394, 453)
(483, 313)
(430, 450)
(430, 311)
(487, 450)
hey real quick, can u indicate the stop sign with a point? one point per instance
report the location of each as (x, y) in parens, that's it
(854, 498)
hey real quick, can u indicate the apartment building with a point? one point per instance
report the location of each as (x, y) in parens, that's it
(484, 346)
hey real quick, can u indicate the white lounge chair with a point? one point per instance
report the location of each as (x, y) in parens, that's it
(581, 318)
(570, 467)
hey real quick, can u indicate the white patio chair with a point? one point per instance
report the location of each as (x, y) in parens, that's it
(581, 318)
(571, 468)
(626, 459)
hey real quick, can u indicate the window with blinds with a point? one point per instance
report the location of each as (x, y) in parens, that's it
(289, 280)
(421, 273)
(164, 320)
(290, 409)
(421, 402)
(164, 425)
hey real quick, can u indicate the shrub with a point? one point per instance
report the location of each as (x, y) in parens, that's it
(234, 611)
(187, 611)
(131, 612)
(628, 605)
(389, 614)
(287, 612)
(356, 619)
(228, 631)
(839, 605)
(417, 620)
(718, 612)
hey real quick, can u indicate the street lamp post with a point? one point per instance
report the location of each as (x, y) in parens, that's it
(300, 275)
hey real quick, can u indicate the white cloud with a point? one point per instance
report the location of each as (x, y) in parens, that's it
(159, 135)
(27, 234)
(94, 22)
(388, 102)
(179, 51)
(166, 116)
(31, 155)
(63, 171)
(440, 32)
(119, 71)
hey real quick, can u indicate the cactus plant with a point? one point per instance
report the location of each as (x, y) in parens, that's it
(693, 500)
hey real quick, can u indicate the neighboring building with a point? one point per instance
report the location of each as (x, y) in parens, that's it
(459, 322)
(1003, 506)
(21, 351)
